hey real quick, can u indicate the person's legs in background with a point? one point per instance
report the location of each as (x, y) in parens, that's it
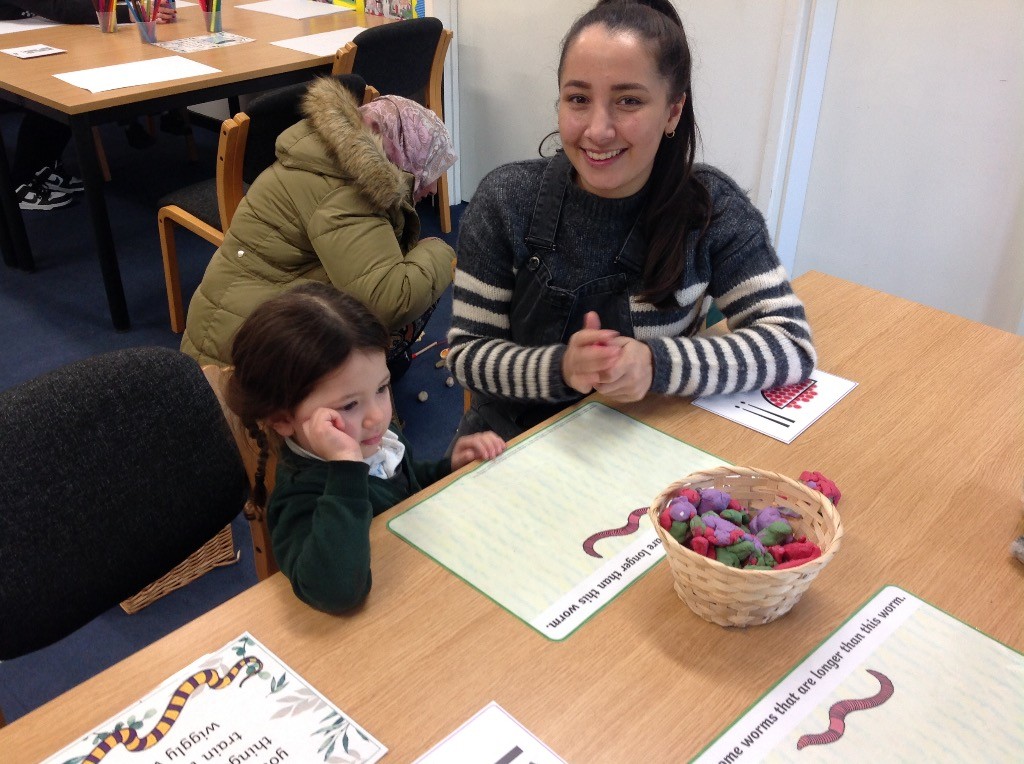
(39, 178)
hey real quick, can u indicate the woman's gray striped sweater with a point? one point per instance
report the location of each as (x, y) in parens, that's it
(769, 340)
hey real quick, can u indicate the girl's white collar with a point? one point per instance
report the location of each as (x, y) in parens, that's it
(382, 463)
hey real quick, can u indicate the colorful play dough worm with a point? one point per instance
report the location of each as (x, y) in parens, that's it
(127, 737)
(837, 713)
(631, 526)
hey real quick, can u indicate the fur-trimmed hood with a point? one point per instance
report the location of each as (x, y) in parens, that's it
(333, 123)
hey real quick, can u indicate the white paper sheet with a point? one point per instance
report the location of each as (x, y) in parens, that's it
(294, 9)
(322, 44)
(781, 412)
(203, 42)
(136, 73)
(25, 25)
(492, 735)
(32, 51)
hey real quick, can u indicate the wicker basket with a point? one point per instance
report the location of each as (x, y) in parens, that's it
(215, 553)
(733, 596)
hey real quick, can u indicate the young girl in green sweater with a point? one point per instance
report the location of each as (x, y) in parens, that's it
(310, 372)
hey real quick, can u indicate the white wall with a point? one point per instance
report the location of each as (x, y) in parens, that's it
(508, 53)
(917, 178)
(508, 56)
(735, 46)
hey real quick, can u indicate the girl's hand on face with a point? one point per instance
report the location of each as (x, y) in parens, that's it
(631, 377)
(590, 354)
(325, 433)
(482, 445)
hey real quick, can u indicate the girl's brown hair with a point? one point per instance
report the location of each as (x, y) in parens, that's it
(678, 204)
(285, 347)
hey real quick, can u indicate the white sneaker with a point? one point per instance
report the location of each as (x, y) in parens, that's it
(56, 179)
(36, 196)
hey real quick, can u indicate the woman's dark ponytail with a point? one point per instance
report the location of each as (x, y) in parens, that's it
(678, 204)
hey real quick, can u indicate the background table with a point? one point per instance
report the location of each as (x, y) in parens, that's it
(928, 450)
(245, 68)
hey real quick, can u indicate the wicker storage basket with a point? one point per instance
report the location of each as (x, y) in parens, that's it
(215, 553)
(733, 596)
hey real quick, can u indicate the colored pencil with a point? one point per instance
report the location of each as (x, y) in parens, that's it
(135, 10)
(421, 351)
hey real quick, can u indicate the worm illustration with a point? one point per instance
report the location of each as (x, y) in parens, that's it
(127, 737)
(631, 526)
(837, 713)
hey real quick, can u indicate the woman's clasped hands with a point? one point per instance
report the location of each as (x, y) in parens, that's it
(620, 368)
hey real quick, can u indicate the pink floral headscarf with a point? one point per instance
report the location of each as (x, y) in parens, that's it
(414, 138)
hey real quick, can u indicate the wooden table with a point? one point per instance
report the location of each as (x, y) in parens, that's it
(246, 68)
(929, 453)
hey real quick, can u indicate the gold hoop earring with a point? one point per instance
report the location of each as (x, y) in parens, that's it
(670, 134)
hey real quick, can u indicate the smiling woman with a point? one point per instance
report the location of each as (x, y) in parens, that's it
(596, 268)
(613, 110)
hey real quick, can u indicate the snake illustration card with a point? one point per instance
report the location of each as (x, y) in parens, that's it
(555, 528)
(781, 412)
(899, 681)
(239, 703)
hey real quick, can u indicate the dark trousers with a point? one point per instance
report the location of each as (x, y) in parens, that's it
(40, 142)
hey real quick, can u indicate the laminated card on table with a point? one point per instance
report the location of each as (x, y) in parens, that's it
(899, 681)
(491, 735)
(240, 703)
(782, 412)
(555, 528)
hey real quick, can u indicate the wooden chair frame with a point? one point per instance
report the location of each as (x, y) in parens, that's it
(344, 60)
(234, 135)
(191, 152)
(263, 552)
(234, 132)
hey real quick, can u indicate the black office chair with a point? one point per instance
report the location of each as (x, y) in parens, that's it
(405, 59)
(113, 470)
(246, 149)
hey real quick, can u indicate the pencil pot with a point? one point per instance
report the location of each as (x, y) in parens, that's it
(107, 20)
(147, 31)
(214, 21)
(731, 596)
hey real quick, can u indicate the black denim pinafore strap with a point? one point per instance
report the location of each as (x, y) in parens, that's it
(542, 313)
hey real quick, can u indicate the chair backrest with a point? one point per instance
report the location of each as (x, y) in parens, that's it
(435, 95)
(112, 471)
(398, 58)
(263, 552)
(246, 146)
(234, 132)
(273, 112)
(344, 57)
